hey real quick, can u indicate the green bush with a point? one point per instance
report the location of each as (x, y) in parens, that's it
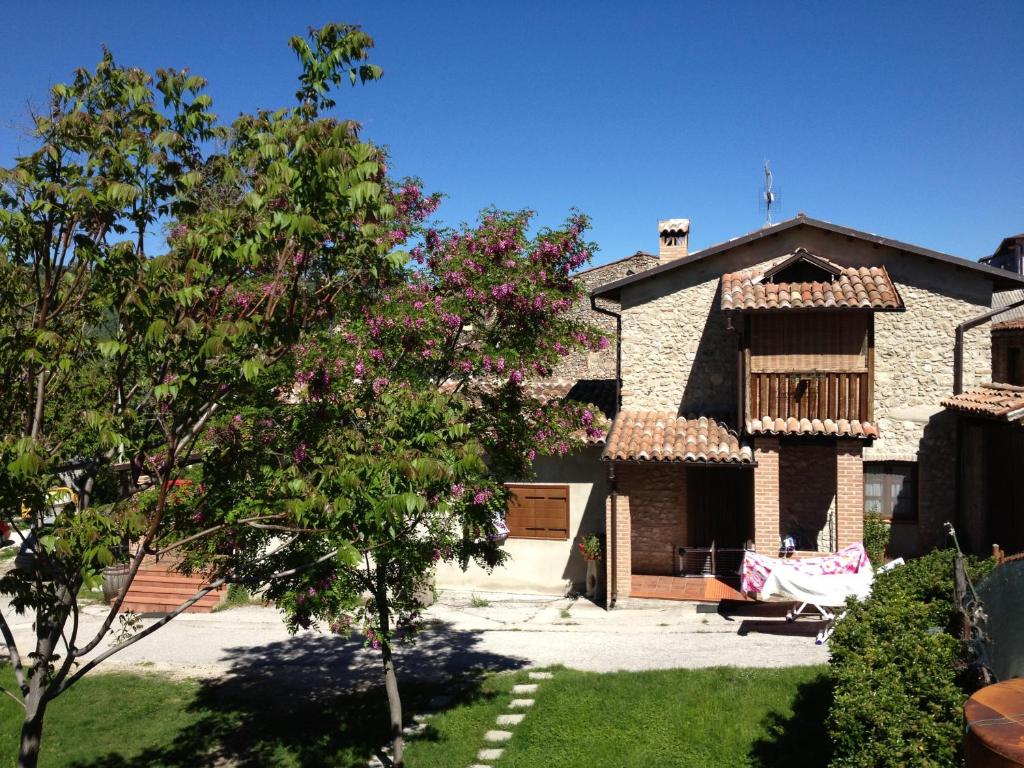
(876, 537)
(896, 664)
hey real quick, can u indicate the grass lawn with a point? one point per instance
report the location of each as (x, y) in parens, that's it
(718, 717)
(712, 717)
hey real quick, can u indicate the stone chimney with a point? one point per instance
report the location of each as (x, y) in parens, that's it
(673, 235)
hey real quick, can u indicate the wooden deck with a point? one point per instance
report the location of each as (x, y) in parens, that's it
(699, 589)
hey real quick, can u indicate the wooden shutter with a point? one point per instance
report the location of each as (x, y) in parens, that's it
(538, 512)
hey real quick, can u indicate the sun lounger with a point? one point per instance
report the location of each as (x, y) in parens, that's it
(822, 583)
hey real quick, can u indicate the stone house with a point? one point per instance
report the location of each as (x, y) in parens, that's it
(771, 387)
(779, 384)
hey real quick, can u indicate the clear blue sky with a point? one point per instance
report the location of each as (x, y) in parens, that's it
(902, 119)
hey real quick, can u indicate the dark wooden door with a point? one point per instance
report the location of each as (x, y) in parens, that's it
(719, 507)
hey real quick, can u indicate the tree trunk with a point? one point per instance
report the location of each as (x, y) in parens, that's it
(390, 678)
(394, 708)
(31, 737)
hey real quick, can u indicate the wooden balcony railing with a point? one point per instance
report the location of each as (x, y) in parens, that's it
(810, 394)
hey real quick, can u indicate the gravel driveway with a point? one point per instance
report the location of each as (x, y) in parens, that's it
(470, 632)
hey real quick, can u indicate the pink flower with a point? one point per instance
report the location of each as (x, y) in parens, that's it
(516, 377)
(379, 385)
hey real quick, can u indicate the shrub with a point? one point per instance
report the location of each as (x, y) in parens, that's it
(876, 537)
(896, 664)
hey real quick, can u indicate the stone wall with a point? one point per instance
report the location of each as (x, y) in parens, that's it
(584, 364)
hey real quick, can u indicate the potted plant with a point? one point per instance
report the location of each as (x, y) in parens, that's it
(590, 549)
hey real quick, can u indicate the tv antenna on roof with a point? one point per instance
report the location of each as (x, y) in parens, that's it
(769, 198)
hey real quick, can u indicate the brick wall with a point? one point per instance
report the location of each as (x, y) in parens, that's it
(807, 494)
(766, 495)
(617, 565)
(849, 492)
(657, 494)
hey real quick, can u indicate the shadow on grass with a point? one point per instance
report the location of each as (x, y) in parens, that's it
(315, 701)
(799, 739)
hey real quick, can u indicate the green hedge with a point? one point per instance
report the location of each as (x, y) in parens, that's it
(896, 665)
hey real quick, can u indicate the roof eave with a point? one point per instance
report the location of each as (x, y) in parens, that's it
(998, 275)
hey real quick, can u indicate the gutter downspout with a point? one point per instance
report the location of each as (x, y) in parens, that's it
(958, 347)
(613, 545)
(618, 350)
(613, 486)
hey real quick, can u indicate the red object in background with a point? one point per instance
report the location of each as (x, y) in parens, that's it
(5, 531)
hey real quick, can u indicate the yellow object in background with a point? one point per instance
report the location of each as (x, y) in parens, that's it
(57, 496)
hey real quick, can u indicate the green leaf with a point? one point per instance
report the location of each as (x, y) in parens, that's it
(251, 368)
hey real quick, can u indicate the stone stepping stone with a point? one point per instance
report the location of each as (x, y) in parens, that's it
(414, 730)
(422, 718)
(541, 675)
(510, 719)
(520, 703)
(480, 765)
(497, 737)
(489, 754)
(525, 688)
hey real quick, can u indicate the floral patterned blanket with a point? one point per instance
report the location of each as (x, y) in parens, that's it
(756, 569)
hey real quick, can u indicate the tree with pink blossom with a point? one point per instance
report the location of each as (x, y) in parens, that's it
(388, 436)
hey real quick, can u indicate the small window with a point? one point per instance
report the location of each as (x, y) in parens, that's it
(890, 489)
(538, 512)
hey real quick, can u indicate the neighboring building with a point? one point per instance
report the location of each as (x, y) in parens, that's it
(991, 480)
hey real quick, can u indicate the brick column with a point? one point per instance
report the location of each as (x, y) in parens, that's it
(620, 558)
(766, 495)
(849, 492)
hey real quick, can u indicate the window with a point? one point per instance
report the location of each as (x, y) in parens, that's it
(538, 512)
(890, 489)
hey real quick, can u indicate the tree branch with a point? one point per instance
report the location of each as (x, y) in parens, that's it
(12, 649)
(135, 638)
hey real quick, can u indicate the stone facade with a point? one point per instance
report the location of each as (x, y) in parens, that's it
(600, 365)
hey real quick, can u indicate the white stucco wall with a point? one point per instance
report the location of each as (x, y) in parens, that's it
(540, 566)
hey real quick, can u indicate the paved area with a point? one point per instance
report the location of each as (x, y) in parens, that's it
(469, 632)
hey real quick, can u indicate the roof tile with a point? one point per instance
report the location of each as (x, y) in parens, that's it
(770, 425)
(997, 401)
(660, 436)
(852, 288)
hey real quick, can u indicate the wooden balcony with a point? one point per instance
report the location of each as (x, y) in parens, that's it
(809, 395)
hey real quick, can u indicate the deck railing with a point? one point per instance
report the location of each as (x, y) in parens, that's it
(810, 395)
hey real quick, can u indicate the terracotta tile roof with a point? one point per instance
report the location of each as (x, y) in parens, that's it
(659, 436)
(852, 288)
(997, 401)
(768, 425)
